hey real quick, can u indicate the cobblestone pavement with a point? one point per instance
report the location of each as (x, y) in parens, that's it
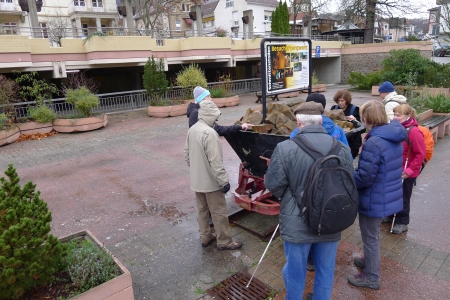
(128, 183)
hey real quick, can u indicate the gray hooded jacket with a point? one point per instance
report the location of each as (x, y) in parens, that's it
(203, 151)
(287, 174)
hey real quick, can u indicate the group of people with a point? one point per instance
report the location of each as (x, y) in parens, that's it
(390, 157)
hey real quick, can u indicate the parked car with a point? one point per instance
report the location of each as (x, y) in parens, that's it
(441, 51)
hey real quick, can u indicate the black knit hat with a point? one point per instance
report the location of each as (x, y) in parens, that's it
(318, 98)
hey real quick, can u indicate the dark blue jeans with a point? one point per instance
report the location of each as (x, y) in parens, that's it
(294, 271)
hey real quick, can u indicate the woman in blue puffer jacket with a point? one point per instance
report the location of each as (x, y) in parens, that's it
(379, 182)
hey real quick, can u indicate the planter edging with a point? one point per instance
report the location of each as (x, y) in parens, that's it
(80, 124)
(120, 287)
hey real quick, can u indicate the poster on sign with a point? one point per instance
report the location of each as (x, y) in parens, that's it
(287, 64)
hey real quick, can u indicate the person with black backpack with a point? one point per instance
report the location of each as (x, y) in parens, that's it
(379, 181)
(312, 175)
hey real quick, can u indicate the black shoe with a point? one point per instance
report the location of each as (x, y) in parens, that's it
(359, 262)
(309, 296)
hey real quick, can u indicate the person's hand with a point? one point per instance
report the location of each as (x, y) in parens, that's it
(404, 175)
(245, 126)
(351, 118)
(226, 188)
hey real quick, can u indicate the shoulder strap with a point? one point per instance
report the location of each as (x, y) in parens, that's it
(352, 109)
(393, 101)
(303, 143)
(335, 107)
(407, 133)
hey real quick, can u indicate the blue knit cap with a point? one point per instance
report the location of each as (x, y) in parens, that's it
(200, 94)
(386, 87)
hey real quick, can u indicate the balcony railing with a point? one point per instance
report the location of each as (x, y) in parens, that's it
(129, 100)
(158, 34)
(7, 6)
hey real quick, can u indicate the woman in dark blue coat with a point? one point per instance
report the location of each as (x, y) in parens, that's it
(379, 182)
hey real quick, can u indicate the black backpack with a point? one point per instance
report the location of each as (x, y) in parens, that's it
(329, 201)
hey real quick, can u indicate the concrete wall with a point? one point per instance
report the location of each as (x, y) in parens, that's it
(328, 69)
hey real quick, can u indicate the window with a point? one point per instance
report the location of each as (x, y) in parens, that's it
(235, 19)
(85, 29)
(185, 7)
(229, 3)
(103, 28)
(268, 16)
(97, 3)
(8, 28)
(79, 3)
(178, 25)
(385, 27)
(44, 30)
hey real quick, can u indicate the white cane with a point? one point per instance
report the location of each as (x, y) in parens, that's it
(393, 219)
(262, 256)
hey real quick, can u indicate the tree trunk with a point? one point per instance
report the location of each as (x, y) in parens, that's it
(370, 21)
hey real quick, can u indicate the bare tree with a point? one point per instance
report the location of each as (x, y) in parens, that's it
(153, 14)
(308, 7)
(80, 79)
(58, 27)
(369, 9)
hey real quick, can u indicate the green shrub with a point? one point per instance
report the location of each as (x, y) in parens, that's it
(155, 81)
(189, 78)
(400, 63)
(42, 114)
(83, 100)
(29, 255)
(364, 81)
(439, 103)
(3, 120)
(217, 92)
(89, 265)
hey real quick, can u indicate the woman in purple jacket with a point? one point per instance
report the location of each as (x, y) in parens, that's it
(379, 182)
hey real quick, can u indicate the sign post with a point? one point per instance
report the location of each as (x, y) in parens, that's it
(285, 66)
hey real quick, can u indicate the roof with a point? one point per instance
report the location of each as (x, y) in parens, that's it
(209, 8)
(346, 26)
(264, 2)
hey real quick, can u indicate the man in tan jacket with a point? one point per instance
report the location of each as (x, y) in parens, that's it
(209, 179)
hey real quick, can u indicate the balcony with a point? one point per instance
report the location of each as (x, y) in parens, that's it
(82, 6)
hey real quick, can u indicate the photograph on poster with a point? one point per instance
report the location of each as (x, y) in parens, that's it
(297, 67)
(284, 69)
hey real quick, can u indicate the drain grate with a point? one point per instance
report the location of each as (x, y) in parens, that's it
(233, 288)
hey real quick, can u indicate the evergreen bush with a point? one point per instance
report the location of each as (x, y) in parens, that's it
(29, 255)
(42, 114)
(155, 81)
(83, 100)
(189, 78)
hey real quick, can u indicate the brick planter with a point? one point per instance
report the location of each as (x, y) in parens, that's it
(225, 102)
(168, 111)
(82, 124)
(119, 287)
(10, 135)
(35, 127)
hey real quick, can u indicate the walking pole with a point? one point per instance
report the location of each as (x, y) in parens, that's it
(393, 219)
(262, 256)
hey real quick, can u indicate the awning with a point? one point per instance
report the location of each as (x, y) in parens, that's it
(188, 20)
(208, 19)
